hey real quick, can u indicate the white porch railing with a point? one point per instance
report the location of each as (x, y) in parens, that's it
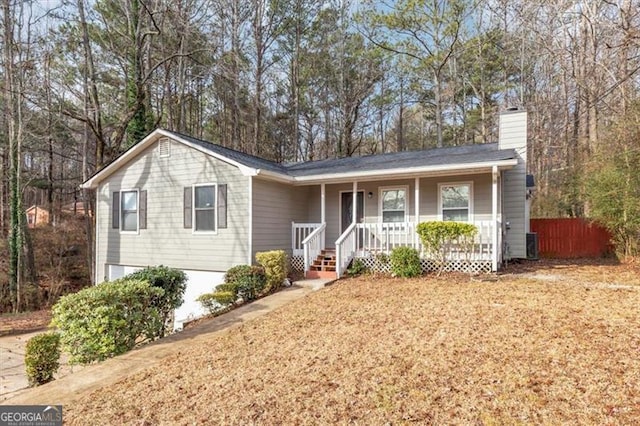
(346, 246)
(313, 245)
(367, 239)
(300, 232)
(383, 237)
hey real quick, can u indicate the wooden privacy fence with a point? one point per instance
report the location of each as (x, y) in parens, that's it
(571, 238)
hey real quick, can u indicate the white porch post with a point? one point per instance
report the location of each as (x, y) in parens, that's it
(355, 202)
(323, 208)
(355, 212)
(323, 205)
(416, 200)
(494, 219)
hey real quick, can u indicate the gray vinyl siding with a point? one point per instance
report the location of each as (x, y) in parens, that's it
(275, 206)
(482, 196)
(166, 241)
(513, 134)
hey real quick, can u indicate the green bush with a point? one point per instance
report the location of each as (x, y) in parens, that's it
(249, 281)
(42, 358)
(252, 285)
(174, 284)
(217, 301)
(275, 267)
(235, 273)
(436, 236)
(108, 319)
(357, 268)
(242, 281)
(405, 262)
(228, 287)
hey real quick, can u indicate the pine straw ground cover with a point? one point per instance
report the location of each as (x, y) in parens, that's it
(371, 350)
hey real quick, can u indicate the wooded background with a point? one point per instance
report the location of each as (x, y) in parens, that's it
(295, 80)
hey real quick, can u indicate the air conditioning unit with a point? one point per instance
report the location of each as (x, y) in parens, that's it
(532, 246)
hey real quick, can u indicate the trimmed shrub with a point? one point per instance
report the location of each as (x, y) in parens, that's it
(436, 236)
(242, 281)
(357, 268)
(108, 319)
(217, 301)
(405, 262)
(252, 286)
(235, 273)
(274, 263)
(249, 281)
(228, 287)
(42, 358)
(174, 284)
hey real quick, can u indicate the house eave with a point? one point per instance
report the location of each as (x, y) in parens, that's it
(386, 174)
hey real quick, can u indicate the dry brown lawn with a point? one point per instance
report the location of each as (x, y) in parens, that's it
(521, 349)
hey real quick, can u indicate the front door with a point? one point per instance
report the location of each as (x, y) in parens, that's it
(346, 201)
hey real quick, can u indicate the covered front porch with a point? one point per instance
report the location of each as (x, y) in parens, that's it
(368, 219)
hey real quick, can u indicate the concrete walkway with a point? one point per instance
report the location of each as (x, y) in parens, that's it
(95, 376)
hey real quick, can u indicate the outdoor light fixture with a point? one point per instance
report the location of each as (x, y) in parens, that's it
(370, 194)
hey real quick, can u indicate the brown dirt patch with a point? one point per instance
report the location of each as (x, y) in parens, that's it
(607, 271)
(446, 350)
(24, 322)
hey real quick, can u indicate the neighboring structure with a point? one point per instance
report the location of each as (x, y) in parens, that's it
(75, 208)
(36, 216)
(203, 208)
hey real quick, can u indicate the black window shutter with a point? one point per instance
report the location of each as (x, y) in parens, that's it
(187, 207)
(222, 206)
(143, 209)
(115, 210)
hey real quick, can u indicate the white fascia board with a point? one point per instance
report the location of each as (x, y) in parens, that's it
(95, 180)
(402, 173)
(245, 170)
(278, 177)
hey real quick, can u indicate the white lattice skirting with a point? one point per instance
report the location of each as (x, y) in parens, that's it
(382, 265)
(297, 263)
(474, 266)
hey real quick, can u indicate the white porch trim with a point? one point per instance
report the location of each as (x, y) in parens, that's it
(354, 215)
(494, 218)
(416, 200)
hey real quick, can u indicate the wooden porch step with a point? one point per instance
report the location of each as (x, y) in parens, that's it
(322, 268)
(321, 274)
(325, 262)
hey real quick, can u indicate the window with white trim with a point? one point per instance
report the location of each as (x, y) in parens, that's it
(129, 210)
(205, 207)
(455, 201)
(393, 205)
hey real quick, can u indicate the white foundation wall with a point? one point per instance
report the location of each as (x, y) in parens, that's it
(198, 283)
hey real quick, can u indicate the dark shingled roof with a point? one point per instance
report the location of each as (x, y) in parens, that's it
(397, 160)
(405, 160)
(240, 157)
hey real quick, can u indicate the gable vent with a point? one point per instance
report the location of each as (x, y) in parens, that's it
(164, 147)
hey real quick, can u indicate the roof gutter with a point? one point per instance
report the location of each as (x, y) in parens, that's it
(399, 173)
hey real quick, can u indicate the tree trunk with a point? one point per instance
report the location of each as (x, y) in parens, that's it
(95, 116)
